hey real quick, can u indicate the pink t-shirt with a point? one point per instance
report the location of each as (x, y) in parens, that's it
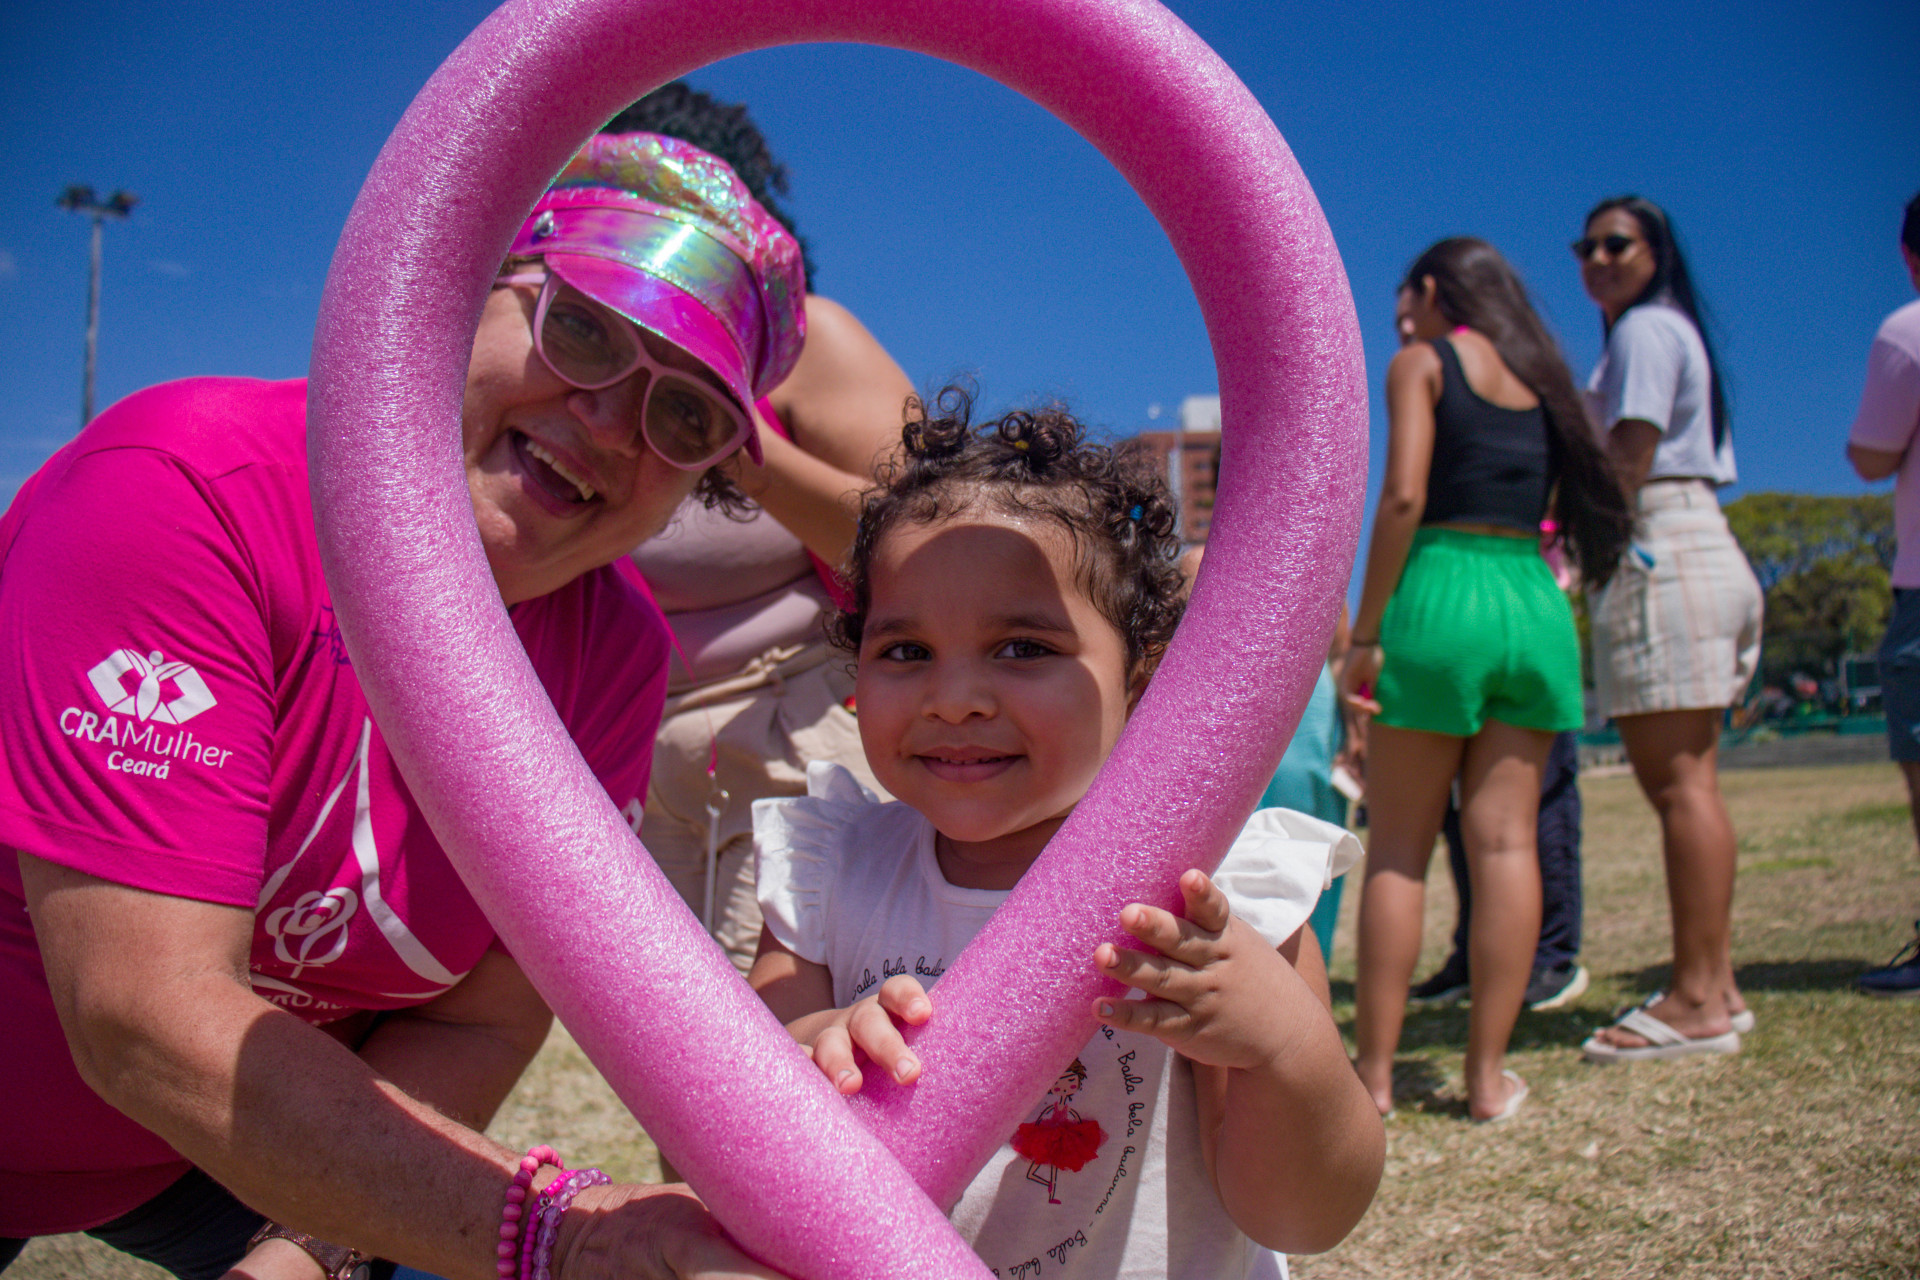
(1889, 415)
(179, 715)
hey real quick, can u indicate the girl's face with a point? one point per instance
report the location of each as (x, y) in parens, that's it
(1621, 264)
(990, 688)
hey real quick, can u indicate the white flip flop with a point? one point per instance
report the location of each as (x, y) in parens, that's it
(1663, 1041)
(1743, 1022)
(1515, 1100)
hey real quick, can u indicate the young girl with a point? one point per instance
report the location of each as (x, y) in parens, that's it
(1013, 587)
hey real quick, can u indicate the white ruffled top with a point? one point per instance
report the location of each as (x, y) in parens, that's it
(837, 863)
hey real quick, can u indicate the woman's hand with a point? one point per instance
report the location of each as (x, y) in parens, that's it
(830, 1037)
(1210, 980)
(275, 1260)
(647, 1233)
(1358, 675)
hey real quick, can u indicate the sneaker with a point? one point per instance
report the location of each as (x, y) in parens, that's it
(1899, 979)
(1551, 988)
(1448, 985)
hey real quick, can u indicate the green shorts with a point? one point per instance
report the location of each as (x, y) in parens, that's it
(1477, 630)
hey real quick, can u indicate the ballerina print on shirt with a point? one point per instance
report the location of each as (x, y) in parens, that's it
(1058, 1138)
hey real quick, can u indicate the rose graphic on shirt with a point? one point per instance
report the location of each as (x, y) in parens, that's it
(1059, 1138)
(313, 931)
(144, 701)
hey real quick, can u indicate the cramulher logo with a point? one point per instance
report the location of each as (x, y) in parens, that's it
(312, 931)
(144, 702)
(142, 694)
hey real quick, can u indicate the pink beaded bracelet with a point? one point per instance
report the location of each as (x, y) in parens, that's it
(559, 1198)
(518, 1219)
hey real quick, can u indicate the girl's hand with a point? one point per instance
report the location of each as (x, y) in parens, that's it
(1358, 676)
(867, 1025)
(1213, 987)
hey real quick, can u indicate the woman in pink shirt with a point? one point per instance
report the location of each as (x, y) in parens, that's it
(239, 974)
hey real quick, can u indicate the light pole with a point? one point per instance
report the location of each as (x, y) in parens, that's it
(79, 199)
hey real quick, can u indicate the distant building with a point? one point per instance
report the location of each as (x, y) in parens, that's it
(1198, 441)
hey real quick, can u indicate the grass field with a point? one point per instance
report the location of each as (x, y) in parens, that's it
(1800, 1157)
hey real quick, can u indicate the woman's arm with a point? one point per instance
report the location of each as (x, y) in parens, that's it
(153, 994)
(845, 400)
(843, 404)
(1631, 445)
(813, 500)
(1874, 464)
(1413, 388)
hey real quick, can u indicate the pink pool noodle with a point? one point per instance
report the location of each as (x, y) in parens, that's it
(688, 1048)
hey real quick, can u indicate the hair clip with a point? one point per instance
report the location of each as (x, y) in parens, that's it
(1137, 512)
(1021, 445)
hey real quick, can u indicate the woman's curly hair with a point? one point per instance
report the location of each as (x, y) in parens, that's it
(1113, 503)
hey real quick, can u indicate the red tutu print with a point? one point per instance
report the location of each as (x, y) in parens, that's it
(1063, 1141)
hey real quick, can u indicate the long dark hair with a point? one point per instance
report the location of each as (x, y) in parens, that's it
(1671, 283)
(1474, 286)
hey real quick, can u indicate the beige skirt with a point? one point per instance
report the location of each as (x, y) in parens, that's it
(1678, 626)
(762, 725)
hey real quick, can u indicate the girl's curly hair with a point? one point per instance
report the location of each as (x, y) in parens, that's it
(1113, 503)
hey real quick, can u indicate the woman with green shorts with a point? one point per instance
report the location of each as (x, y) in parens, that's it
(1464, 651)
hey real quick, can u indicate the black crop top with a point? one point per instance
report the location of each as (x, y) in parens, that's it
(1490, 465)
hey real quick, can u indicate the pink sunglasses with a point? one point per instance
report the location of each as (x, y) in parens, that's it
(590, 346)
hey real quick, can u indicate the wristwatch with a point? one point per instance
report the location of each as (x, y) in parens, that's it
(337, 1262)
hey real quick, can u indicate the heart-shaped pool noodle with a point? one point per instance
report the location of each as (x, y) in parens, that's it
(700, 1062)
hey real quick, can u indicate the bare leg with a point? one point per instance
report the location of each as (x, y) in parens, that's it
(1499, 819)
(1409, 774)
(1675, 757)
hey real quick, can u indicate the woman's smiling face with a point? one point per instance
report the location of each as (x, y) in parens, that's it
(561, 480)
(990, 688)
(1614, 278)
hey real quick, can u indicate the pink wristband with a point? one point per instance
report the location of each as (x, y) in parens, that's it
(517, 1221)
(559, 1198)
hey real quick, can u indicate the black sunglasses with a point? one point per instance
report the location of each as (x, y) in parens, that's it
(1615, 245)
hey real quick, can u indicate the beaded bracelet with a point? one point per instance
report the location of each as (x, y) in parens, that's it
(516, 1228)
(559, 1198)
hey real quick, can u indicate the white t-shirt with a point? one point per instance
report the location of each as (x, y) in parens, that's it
(1105, 1178)
(1655, 369)
(1888, 418)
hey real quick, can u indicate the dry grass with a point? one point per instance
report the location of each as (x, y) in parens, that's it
(1800, 1157)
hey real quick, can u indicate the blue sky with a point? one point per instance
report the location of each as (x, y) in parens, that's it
(973, 232)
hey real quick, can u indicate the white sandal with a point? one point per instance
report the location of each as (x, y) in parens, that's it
(1663, 1041)
(1515, 1100)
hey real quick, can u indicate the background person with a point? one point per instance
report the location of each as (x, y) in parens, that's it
(755, 693)
(1881, 445)
(1676, 629)
(241, 976)
(1467, 640)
